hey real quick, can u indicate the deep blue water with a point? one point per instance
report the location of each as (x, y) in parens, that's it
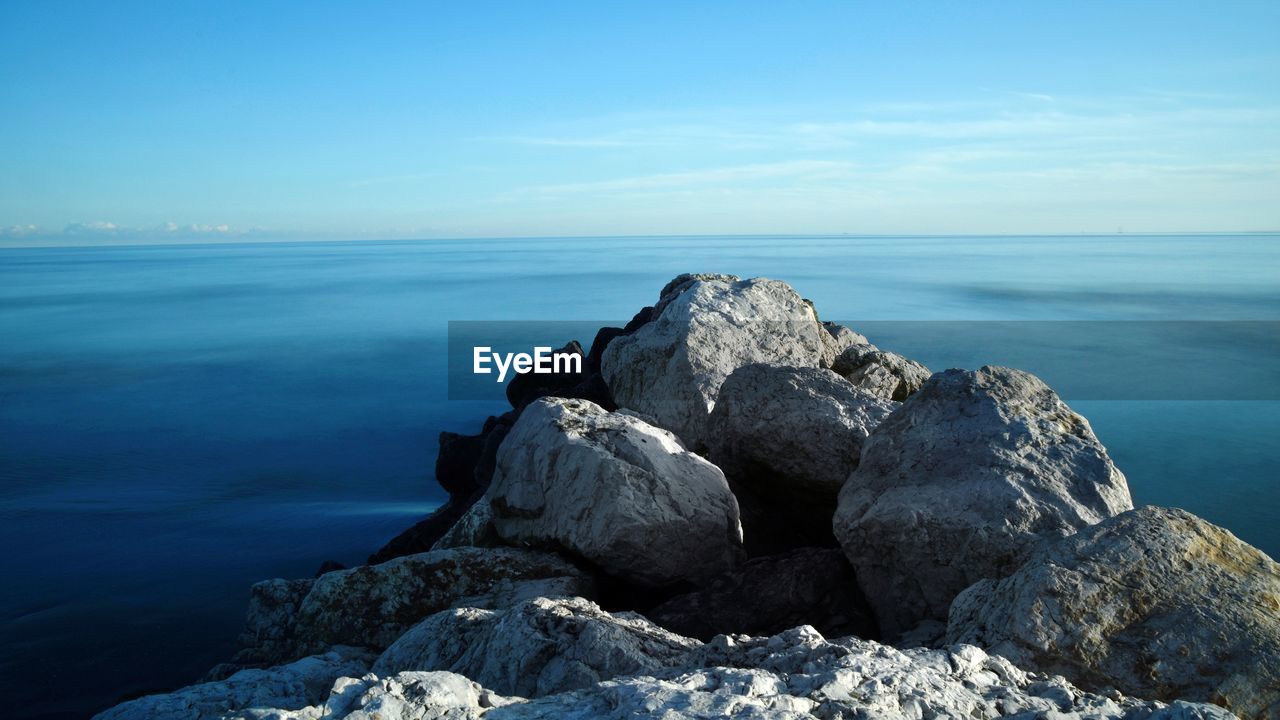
(178, 422)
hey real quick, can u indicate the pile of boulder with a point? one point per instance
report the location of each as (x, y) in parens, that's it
(737, 510)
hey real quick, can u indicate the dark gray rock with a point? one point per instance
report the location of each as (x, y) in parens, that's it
(809, 586)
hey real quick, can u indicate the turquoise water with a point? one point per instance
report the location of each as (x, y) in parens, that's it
(177, 422)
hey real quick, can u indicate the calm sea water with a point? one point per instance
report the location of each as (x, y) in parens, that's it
(178, 422)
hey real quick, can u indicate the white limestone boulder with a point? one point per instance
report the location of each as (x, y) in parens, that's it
(610, 488)
(1155, 602)
(961, 483)
(539, 647)
(704, 328)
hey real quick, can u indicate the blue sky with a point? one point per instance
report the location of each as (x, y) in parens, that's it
(177, 121)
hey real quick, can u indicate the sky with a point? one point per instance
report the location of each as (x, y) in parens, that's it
(204, 121)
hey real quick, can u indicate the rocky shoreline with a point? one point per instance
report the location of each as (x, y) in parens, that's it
(737, 510)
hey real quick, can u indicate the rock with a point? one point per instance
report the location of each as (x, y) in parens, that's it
(524, 389)
(539, 647)
(799, 674)
(705, 328)
(885, 374)
(289, 687)
(473, 529)
(614, 490)
(268, 636)
(961, 483)
(456, 462)
(407, 695)
(791, 431)
(837, 340)
(373, 605)
(586, 384)
(795, 674)
(1155, 602)
(810, 586)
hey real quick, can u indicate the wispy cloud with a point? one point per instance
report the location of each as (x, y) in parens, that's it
(1021, 115)
(737, 174)
(17, 231)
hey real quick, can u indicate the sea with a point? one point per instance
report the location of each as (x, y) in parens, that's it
(178, 422)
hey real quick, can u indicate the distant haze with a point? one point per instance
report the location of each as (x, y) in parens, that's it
(180, 122)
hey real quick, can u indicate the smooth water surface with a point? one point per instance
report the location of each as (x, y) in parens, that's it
(178, 422)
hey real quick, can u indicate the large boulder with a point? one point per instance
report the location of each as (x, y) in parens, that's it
(787, 438)
(539, 647)
(809, 586)
(791, 431)
(612, 489)
(884, 374)
(1155, 602)
(289, 687)
(961, 483)
(704, 328)
(373, 605)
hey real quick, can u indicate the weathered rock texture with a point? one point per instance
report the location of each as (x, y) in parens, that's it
(268, 635)
(809, 586)
(792, 676)
(796, 431)
(288, 687)
(885, 374)
(704, 328)
(536, 648)
(473, 529)
(371, 606)
(838, 339)
(1155, 602)
(961, 482)
(616, 491)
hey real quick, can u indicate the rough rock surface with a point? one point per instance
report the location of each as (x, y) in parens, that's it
(704, 328)
(885, 374)
(268, 635)
(793, 430)
(791, 676)
(838, 339)
(473, 529)
(813, 586)
(373, 605)
(403, 696)
(961, 482)
(536, 648)
(615, 490)
(1156, 602)
(288, 687)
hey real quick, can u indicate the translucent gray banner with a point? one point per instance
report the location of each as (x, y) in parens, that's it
(1081, 360)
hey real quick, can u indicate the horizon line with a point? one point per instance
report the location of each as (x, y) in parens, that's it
(243, 240)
